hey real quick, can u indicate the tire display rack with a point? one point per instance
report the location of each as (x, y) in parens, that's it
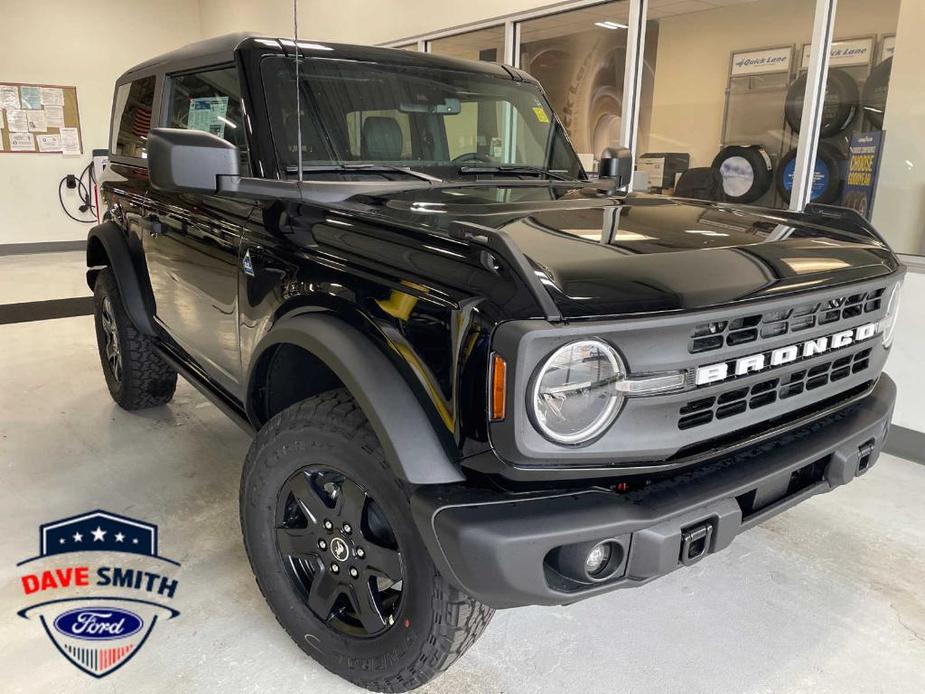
(760, 169)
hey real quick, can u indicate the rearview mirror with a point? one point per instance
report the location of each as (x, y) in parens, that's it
(450, 106)
(189, 161)
(616, 165)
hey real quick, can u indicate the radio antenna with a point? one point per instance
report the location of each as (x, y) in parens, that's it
(298, 96)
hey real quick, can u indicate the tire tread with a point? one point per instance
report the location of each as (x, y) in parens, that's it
(458, 620)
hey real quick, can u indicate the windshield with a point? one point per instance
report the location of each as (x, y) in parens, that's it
(444, 123)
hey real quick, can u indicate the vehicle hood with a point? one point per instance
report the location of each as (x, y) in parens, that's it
(659, 254)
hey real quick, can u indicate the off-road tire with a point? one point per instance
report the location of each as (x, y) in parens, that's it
(145, 379)
(437, 622)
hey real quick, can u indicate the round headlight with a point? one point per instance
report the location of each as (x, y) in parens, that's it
(888, 324)
(575, 395)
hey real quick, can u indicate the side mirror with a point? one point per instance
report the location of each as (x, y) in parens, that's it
(616, 164)
(189, 161)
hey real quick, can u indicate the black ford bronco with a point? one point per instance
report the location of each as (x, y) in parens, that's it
(475, 377)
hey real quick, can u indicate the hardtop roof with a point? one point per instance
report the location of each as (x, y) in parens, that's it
(220, 49)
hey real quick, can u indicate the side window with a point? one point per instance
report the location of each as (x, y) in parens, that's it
(209, 101)
(132, 118)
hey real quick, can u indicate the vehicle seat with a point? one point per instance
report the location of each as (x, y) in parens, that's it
(701, 183)
(382, 139)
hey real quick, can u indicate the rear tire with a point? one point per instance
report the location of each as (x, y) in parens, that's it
(308, 466)
(136, 375)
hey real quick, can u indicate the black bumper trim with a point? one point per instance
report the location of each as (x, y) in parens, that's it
(493, 546)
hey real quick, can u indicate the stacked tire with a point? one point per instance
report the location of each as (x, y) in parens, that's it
(746, 172)
(838, 110)
(875, 91)
(827, 174)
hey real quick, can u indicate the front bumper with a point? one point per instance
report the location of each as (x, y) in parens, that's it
(499, 547)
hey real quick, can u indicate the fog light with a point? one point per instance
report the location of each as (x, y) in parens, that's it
(598, 558)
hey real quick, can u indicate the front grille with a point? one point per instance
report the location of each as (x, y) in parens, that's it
(739, 400)
(707, 337)
(725, 441)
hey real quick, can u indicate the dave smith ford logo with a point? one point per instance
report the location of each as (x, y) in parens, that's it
(98, 614)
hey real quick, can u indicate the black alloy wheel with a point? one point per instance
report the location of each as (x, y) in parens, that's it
(111, 349)
(339, 551)
(338, 556)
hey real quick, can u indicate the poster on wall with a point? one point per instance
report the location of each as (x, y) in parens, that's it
(863, 166)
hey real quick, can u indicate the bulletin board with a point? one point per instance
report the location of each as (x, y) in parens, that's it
(39, 119)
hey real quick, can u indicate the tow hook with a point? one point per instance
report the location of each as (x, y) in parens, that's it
(865, 451)
(695, 542)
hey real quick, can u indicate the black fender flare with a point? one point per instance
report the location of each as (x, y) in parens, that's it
(115, 245)
(412, 448)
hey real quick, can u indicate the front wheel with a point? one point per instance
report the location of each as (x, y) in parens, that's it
(329, 535)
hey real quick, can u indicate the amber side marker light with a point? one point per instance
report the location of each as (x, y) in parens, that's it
(498, 378)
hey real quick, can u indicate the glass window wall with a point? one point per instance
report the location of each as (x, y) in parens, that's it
(579, 57)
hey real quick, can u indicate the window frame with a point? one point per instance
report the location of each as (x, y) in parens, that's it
(165, 97)
(155, 110)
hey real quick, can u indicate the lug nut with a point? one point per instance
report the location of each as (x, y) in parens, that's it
(322, 544)
(335, 569)
(347, 528)
(353, 572)
(361, 552)
(328, 525)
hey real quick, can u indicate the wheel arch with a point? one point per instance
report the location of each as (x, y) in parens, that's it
(337, 354)
(107, 246)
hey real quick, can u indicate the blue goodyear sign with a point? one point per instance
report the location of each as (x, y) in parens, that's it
(863, 167)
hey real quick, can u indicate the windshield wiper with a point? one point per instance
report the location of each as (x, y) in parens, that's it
(363, 168)
(515, 169)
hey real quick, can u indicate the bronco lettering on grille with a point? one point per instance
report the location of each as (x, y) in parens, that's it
(714, 373)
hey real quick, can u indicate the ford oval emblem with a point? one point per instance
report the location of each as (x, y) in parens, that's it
(98, 623)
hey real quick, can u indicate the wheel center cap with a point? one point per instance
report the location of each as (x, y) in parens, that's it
(339, 549)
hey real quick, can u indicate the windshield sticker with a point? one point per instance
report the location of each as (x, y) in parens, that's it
(541, 114)
(207, 113)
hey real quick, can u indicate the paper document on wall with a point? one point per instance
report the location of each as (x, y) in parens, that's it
(17, 121)
(22, 142)
(9, 96)
(49, 143)
(36, 119)
(31, 97)
(70, 141)
(207, 113)
(52, 96)
(2, 121)
(54, 116)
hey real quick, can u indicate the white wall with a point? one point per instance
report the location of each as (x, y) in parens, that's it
(86, 44)
(905, 362)
(353, 21)
(899, 206)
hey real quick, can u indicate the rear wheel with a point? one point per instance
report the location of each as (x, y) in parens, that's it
(136, 375)
(336, 555)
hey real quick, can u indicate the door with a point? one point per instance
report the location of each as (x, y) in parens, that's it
(192, 242)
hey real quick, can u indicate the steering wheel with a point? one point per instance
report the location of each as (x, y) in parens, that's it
(473, 156)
